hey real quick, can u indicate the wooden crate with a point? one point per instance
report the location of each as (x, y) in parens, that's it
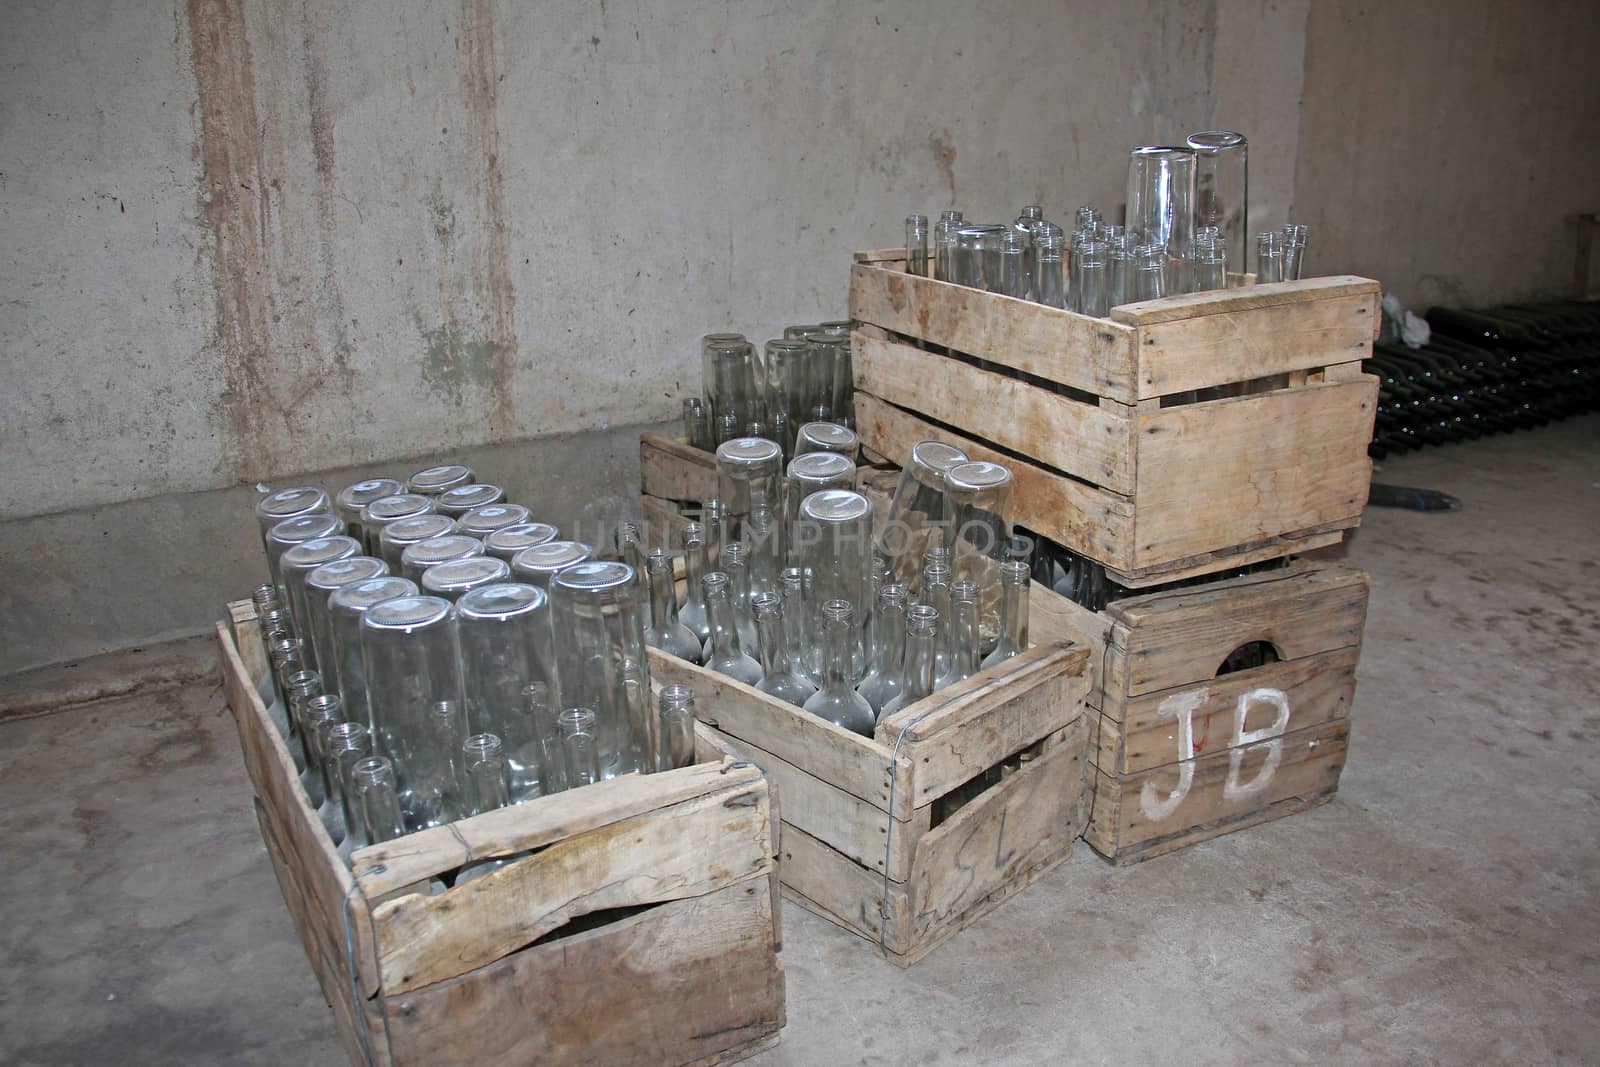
(953, 805)
(1181, 754)
(643, 928)
(1097, 418)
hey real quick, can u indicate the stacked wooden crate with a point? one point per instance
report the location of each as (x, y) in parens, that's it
(638, 922)
(1177, 439)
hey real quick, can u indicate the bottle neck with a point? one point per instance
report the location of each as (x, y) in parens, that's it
(838, 644)
(719, 616)
(891, 648)
(964, 644)
(919, 665)
(1014, 614)
(489, 783)
(663, 596)
(694, 559)
(380, 813)
(769, 637)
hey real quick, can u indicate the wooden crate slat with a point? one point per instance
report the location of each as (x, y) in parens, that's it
(1266, 295)
(675, 470)
(975, 724)
(1173, 639)
(1095, 355)
(616, 994)
(1236, 471)
(1084, 517)
(1070, 435)
(1189, 801)
(424, 939)
(842, 891)
(1314, 690)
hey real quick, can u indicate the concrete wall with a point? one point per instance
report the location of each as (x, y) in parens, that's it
(1442, 144)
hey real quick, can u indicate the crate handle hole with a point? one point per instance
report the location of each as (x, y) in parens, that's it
(1248, 655)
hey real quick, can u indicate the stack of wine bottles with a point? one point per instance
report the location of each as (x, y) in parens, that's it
(795, 589)
(1486, 371)
(437, 653)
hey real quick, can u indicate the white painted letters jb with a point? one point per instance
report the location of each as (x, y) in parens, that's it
(1157, 808)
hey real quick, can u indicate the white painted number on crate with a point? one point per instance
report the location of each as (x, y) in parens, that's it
(1157, 808)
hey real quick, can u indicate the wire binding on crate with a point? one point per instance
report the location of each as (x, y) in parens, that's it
(888, 840)
(358, 1017)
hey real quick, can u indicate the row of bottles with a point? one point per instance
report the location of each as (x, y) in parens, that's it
(435, 628)
(800, 378)
(1486, 371)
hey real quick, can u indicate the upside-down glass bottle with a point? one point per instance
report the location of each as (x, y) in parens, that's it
(396, 537)
(916, 512)
(834, 530)
(434, 480)
(352, 498)
(776, 678)
(507, 541)
(978, 500)
(676, 728)
(454, 579)
(665, 631)
(692, 613)
(461, 499)
(807, 474)
(600, 654)
(321, 584)
(539, 564)
(749, 479)
(837, 701)
(1014, 579)
(506, 645)
(1222, 184)
(345, 608)
(887, 677)
(289, 504)
(826, 437)
(922, 640)
(723, 653)
(964, 656)
(381, 512)
(480, 522)
(296, 531)
(417, 557)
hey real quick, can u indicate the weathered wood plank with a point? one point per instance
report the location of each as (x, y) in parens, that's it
(1095, 355)
(1225, 712)
(1176, 638)
(825, 881)
(1084, 518)
(675, 983)
(1237, 471)
(1070, 435)
(641, 860)
(675, 470)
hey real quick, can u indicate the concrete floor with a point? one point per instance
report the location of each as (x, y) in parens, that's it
(1442, 909)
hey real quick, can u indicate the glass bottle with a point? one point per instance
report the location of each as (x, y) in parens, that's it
(337, 808)
(730, 380)
(284, 659)
(963, 644)
(541, 563)
(480, 522)
(884, 682)
(434, 480)
(1269, 257)
(352, 498)
(696, 424)
(411, 659)
(381, 512)
(794, 618)
(507, 541)
(296, 531)
(643, 734)
(693, 612)
(776, 678)
(837, 701)
(461, 499)
(453, 579)
(1119, 267)
(749, 478)
(922, 642)
(438, 786)
(485, 769)
(1210, 267)
(506, 645)
(1014, 580)
(1011, 274)
(1149, 273)
(580, 746)
(716, 533)
(290, 504)
(917, 245)
(346, 605)
(787, 368)
(265, 598)
(377, 799)
(826, 437)
(1091, 269)
(1294, 251)
(936, 595)
(1222, 184)
(346, 744)
(841, 381)
(321, 584)
(318, 715)
(677, 719)
(539, 713)
(1049, 262)
(397, 537)
(735, 564)
(916, 512)
(807, 474)
(834, 531)
(665, 631)
(723, 653)
(296, 565)
(599, 633)
(629, 544)
(978, 498)
(299, 688)
(1160, 211)
(944, 244)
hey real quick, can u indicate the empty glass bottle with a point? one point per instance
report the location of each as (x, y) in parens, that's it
(887, 677)
(507, 541)
(916, 512)
(434, 480)
(317, 714)
(377, 799)
(833, 534)
(398, 536)
(693, 612)
(539, 564)
(1269, 256)
(730, 378)
(836, 700)
(480, 522)
(485, 767)
(723, 653)
(417, 557)
(936, 594)
(296, 565)
(1091, 269)
(283, 659)
(665, 631)
(1222, 184)
(1294, 251)
(336, 807)
(922, 643)
(788, 377)
(978, 498)
(1014, 578)
(458, 576)
(697, 423)
(381, 512)
(1011, 273)
(598, 633)
(735, 564)
(630, 550)
(346, 605)
(1049, 257)
(299, 687)
(539, 712)
(826, 437)
(290, 504)
(437, 790)
(506, 645)
(1210, 264)
(964, 656)
(750, 478)
(457, 501)
(1161, 183)
(580, 746)
(345, 745)
(776, 678)
(677, 719)
(296, 531)
(944, 241)
(352, 498)
(812, 473)
(1149, 273)
(917, 245)
(794, 623)
(321, 584)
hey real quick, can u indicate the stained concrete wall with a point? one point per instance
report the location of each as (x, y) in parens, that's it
(1443, 143)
